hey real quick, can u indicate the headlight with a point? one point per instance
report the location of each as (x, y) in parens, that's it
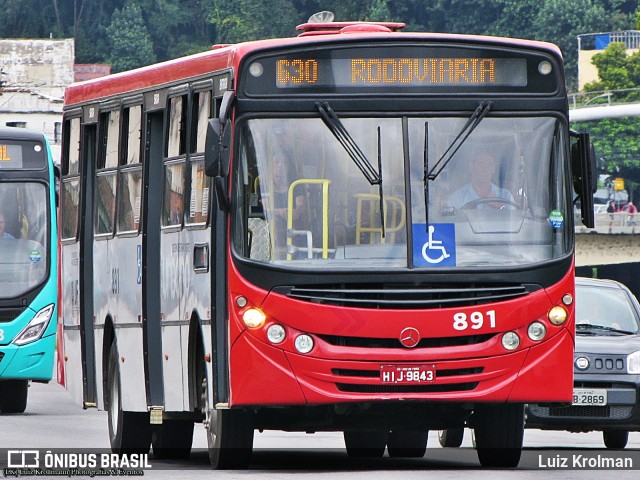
(633, 363)
(276, 333)
(510, 340)
(557, 315)
(253, 318)
(36, 327)
(304, 343)
(536, 331)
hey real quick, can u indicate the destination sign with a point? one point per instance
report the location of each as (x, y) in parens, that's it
(396, 68)
(296, 72)
(15, 155)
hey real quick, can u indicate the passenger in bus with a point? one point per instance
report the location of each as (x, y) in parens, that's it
(480, 189)
(3, 233)
(276, 203)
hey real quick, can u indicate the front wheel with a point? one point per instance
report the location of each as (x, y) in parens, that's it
(229, 435)
(499, 432)
(615, 439)
(451, 437)
(13, 396)
(172, 439)
(365, 444)
(129, 432)
(408, 444)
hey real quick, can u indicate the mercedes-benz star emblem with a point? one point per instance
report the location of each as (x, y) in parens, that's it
(409, 337)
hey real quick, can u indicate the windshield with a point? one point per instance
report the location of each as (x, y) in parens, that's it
(304, 202)
(23, 237)
(600, 309)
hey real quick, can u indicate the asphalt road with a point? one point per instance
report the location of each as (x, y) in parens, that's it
(53, 422)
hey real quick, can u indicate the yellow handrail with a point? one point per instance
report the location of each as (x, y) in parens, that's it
(325, 212)
(397, 223)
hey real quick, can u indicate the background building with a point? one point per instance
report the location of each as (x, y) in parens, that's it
(591, 43)
(35, 73)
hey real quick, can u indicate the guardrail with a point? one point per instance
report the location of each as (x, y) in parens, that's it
(617, 222)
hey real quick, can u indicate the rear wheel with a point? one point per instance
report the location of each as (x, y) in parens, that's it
(172, 439)
(499, 432)
(408, 444)
(366, 444)
(615, 439)
(13, 396)
(451, 437)
(129, 432)
(229, 435)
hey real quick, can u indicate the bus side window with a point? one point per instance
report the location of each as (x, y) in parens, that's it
(174, 169)
(106, 172)
(71, 180)
(130, 176)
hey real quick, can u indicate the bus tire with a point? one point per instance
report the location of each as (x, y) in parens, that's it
(129, 432)
(13, 396)
(615, 439)
(365, 444)
(408, 444)
(229, 436)
(172, 439)
(451, 437)
(499, 432)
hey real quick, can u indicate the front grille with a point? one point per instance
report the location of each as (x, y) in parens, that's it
(599, 363)
(10, 314)
(447, 387)
(612, 412)
(365, 342)
(407, 296)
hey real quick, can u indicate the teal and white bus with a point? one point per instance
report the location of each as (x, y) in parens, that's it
(28, 265)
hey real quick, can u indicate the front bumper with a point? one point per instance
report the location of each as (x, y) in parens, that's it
(622, 411)
(33, 361)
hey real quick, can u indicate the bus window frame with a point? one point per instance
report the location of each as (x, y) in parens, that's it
(124, 167)
(194, 156)
(67, 177)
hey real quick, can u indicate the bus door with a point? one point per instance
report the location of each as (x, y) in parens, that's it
(176, 250)
(151, 255)
(87, 314)
(77, 254)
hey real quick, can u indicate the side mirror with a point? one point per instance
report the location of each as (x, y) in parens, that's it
(585, 183)
(212, 148)
(57, 175)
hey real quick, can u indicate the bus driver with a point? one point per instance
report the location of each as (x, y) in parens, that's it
(480, 189)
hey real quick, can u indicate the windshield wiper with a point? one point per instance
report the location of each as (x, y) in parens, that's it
(589, 326)
(474, 120)
(337, 128)
(332, 121)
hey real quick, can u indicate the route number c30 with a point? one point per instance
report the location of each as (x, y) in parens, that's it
(1, 335)
(475, 321)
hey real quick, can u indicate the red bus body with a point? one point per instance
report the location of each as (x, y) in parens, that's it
(453, 348)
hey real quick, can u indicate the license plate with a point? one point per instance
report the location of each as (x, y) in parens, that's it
(407, 374)
(589, 396)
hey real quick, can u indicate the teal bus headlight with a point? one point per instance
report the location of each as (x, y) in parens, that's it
(36, 327)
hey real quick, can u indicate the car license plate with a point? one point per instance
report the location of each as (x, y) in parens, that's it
(589, 396)
(407, 374)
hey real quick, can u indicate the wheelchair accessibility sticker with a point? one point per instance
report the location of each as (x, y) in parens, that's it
(434, 246)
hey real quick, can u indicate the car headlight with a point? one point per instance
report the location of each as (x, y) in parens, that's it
(633, 363)
(36, 327)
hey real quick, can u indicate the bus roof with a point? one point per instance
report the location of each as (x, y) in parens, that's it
(221, 57)
(19, 133)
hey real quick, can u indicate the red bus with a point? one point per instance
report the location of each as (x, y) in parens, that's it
(357, 230)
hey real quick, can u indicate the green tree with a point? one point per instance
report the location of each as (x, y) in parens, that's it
(245, 20)
(131, 45)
